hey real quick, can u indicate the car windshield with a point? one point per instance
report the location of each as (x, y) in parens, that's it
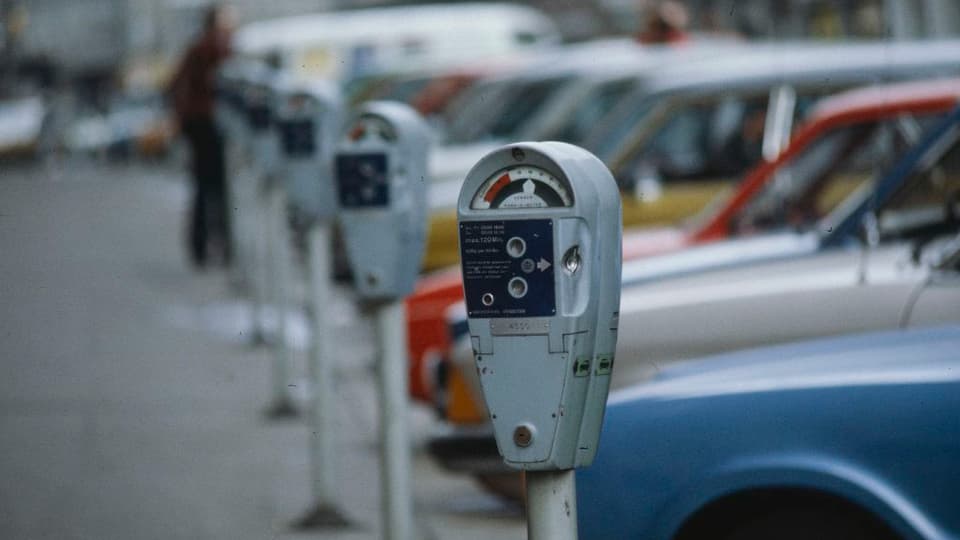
(815, 181)
(527, 100)
(597, 103)
(709, 138)
(471, 111)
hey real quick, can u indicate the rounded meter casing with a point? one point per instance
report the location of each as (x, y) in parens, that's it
(540, 246)
(307, 124)
(381, 171)
(258, 101)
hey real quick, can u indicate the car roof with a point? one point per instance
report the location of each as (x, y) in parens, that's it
(351, 25)
(802, 61)
(879, 98)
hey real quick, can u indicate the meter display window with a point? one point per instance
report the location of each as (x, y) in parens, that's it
(522, 187)
(362, 180)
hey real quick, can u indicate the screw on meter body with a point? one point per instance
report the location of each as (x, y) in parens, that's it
(539, 228)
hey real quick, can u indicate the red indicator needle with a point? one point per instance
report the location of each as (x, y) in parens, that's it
(496, 187)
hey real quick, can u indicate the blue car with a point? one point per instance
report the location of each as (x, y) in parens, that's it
(846, 438)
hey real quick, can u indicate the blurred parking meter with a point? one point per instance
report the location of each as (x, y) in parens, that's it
(274, 248)
(307, 122)
(229, 111)
(381, 170)
(540, 229)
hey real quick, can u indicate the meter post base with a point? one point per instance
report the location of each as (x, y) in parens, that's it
(396, 499)
(281, 410)
(278, 255)
(322, 516)
(551, 505)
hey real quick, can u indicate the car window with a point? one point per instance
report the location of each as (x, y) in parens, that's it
(466, 114)
(930, 196)
(527, 99)
(597, 103)
(706, 139)
(814, 182)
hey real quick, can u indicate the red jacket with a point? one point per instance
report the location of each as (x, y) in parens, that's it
(192, 89)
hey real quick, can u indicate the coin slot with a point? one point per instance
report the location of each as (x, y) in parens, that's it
(516, 247)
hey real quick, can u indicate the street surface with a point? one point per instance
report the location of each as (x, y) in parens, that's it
(131, 401)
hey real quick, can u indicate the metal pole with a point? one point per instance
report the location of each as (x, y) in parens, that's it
(324, 512)
(551, 505)
(396, 499)
(279, 258)
(261, 232)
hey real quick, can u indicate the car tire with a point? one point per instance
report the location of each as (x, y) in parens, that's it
(812, 523)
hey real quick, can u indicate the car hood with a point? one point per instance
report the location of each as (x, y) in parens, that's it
(887, 358)
(645, 242)
(718, 255)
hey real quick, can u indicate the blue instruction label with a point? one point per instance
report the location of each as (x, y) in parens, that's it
(508, 268)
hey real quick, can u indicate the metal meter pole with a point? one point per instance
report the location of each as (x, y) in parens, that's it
(551, 505)
(278, 250)
(396, 500)
(323, 468)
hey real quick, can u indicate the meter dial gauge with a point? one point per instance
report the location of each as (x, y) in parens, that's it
(522, 187)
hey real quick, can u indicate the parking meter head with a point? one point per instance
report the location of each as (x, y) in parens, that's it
(307, 125)
(381, 171)
(540, 240)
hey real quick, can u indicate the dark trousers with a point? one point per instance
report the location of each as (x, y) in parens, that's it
(210, 217)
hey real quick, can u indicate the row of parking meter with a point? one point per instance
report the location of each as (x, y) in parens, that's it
(540, 246)
(540, 240)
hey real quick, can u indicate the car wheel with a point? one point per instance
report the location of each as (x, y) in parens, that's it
(812, 523)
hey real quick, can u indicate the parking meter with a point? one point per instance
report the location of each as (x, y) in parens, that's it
(381, 171)
(540, 230)
(307, 124)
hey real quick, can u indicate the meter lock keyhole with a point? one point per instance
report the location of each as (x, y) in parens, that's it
(571, 260)
(523, 435)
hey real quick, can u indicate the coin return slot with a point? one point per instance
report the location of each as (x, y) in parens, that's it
(517, 287)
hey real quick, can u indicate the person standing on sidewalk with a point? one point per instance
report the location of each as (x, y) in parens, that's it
(192, 92)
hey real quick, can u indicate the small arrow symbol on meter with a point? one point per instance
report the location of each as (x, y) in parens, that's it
(543, 264)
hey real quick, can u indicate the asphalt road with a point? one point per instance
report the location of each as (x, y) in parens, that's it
(131, 402)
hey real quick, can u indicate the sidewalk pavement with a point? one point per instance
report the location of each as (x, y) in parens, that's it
(131, 401)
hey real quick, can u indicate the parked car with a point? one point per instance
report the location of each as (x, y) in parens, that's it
(786, 286)
(845, 438)
(880, 109)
